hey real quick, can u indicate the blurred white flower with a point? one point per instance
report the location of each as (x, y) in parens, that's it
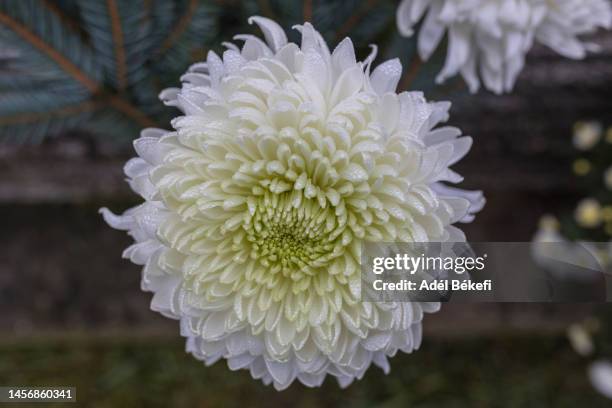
(580, 339)
(489, 39)
(565, 259)
(600, 374)
(285, 160)
(587, 134)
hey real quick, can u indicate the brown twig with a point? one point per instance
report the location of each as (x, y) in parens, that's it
(62, 61)
(32, 117)
(147, 5)
(411, 73)
(180, 27)
(307, 10)
(67, 20)
(354, 18)
(93, 86)
(118, 44)
(130, 110)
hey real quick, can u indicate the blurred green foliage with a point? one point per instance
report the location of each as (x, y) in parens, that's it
(512, 371)
(94, 65)
(99, 65)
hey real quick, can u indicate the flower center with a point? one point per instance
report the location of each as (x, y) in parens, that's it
(294, 241)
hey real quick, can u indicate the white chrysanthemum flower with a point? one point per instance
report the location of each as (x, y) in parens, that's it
(600, 374)
(287, 158)
(560, 256)
(490, 38)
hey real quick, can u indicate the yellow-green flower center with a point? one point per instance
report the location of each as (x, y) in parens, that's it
(294, 241)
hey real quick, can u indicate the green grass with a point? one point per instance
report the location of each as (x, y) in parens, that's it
(133, 372)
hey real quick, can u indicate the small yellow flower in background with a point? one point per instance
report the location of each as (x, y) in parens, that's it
(609, 135)
(581, 167)
(580, 339)
(592, 325)
(606, 216)
(588, 213)
(608, 178)
(606, 213)
(587, 134)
